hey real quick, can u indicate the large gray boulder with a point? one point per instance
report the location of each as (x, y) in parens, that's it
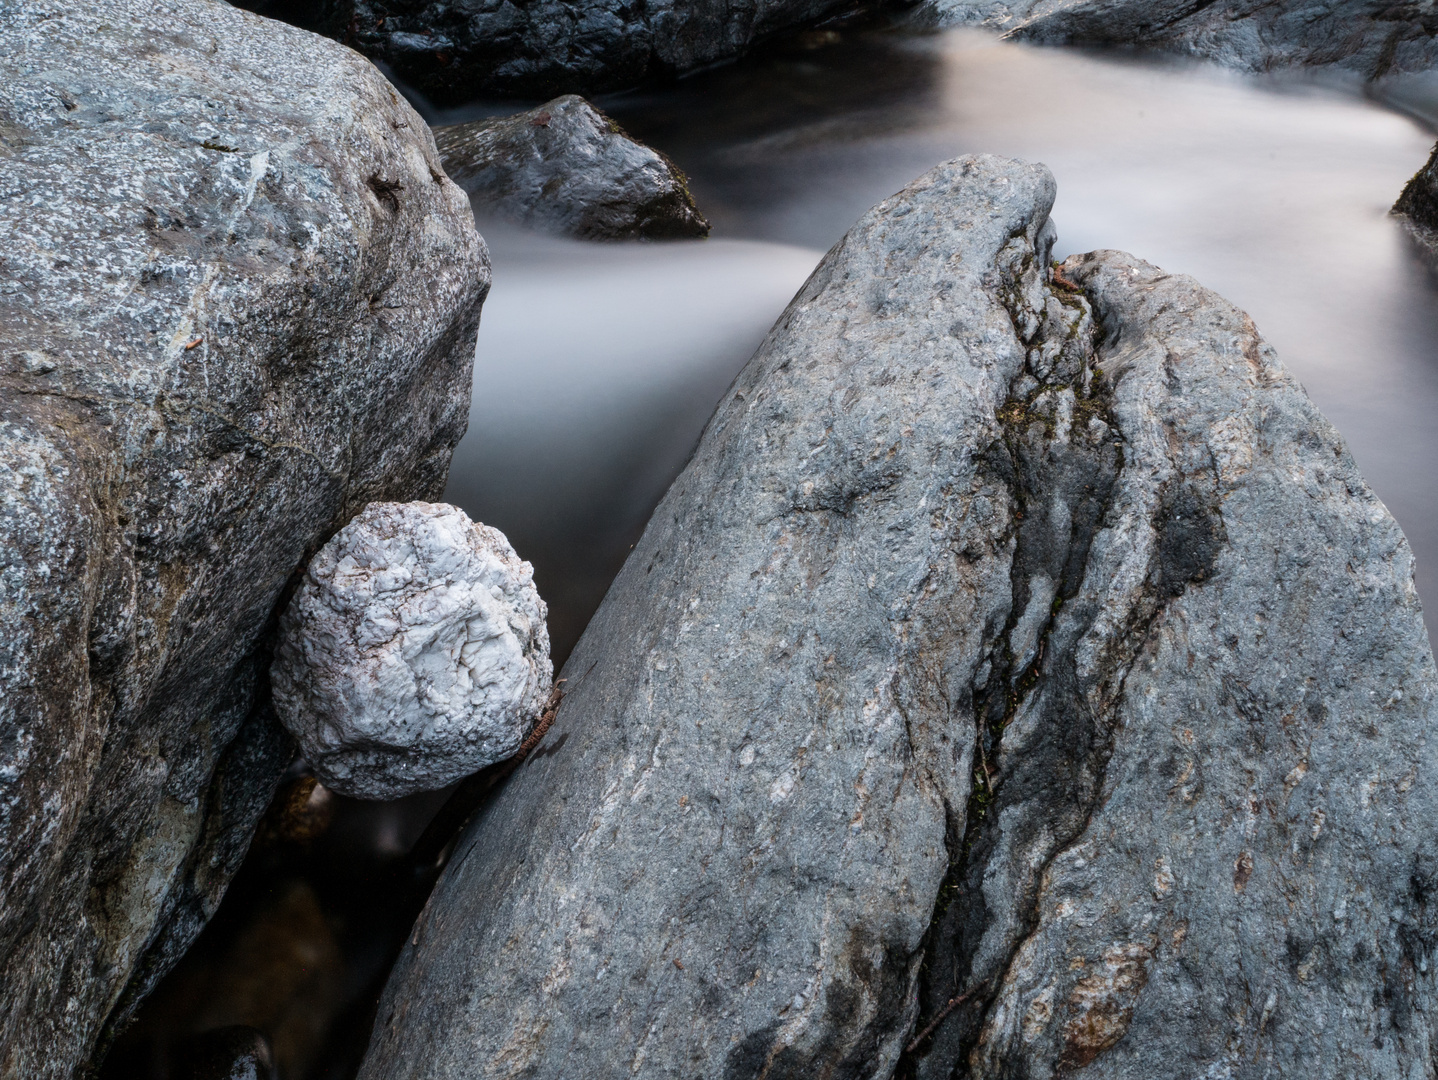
(238, 301)
(1019, 679)
(453, 51)
(1370, 37)
(566, 168)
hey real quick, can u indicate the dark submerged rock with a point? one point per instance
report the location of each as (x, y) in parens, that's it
(456, 50)
(567, 168)
(238, 301)
(1028, 644)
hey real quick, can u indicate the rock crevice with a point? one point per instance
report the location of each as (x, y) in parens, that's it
(1061, 456)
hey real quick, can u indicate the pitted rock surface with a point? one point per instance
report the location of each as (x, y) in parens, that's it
(1023, 639)
(238, 301)
(415, 652)
(566, 168)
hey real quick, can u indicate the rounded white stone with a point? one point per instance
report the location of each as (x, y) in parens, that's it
(414, 653)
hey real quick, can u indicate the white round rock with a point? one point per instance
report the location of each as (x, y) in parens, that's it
(415, 652)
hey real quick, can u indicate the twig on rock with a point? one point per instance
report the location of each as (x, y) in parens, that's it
(429, 850)
(953, 1004)
(1064, 283)
(551, 710)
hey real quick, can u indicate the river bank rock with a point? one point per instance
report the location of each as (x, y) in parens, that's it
(567, 168)
(1369, 37)
(238, 301)
(1024, 640)
(454, 51)
(414, 654)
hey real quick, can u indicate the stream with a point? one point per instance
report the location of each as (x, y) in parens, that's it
(597, 366)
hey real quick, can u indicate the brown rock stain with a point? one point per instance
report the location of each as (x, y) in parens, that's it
(1101, 1006)
(1242, 871)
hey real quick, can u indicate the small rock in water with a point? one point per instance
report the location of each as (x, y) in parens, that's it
(228, 1053)
(567, 168)
(415, 652)
(1418, 206)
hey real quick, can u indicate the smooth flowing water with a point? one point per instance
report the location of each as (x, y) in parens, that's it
(597, 366)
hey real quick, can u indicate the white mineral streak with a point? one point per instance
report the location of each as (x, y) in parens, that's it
(415, 652)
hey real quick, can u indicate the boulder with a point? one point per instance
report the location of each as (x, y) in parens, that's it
(454, 51)
(1370, 37)
(414, 654)
(567, 168)
(1417, 207)
(238, 301)
(1019, 679)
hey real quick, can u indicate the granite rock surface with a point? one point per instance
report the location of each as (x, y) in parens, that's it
(454, 51)
(414, 654)
(566, 168)
(1019, 679)
(238, 301)
(1369, 37)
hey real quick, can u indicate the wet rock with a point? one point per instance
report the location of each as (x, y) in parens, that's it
(1019, 679)
(230, 1053)
(454, 51)
(238, 301)
(284, 975)
(300, 814)
(1417, 207)
(415, 652)
(1370, 37)
(567, 168)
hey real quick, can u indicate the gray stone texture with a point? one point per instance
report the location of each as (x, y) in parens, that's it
(1370, 37)
(238, 301)
(453, 51)
(566, 168)
(1004, 637)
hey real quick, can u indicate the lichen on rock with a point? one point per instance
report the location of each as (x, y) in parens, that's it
(415, 652)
